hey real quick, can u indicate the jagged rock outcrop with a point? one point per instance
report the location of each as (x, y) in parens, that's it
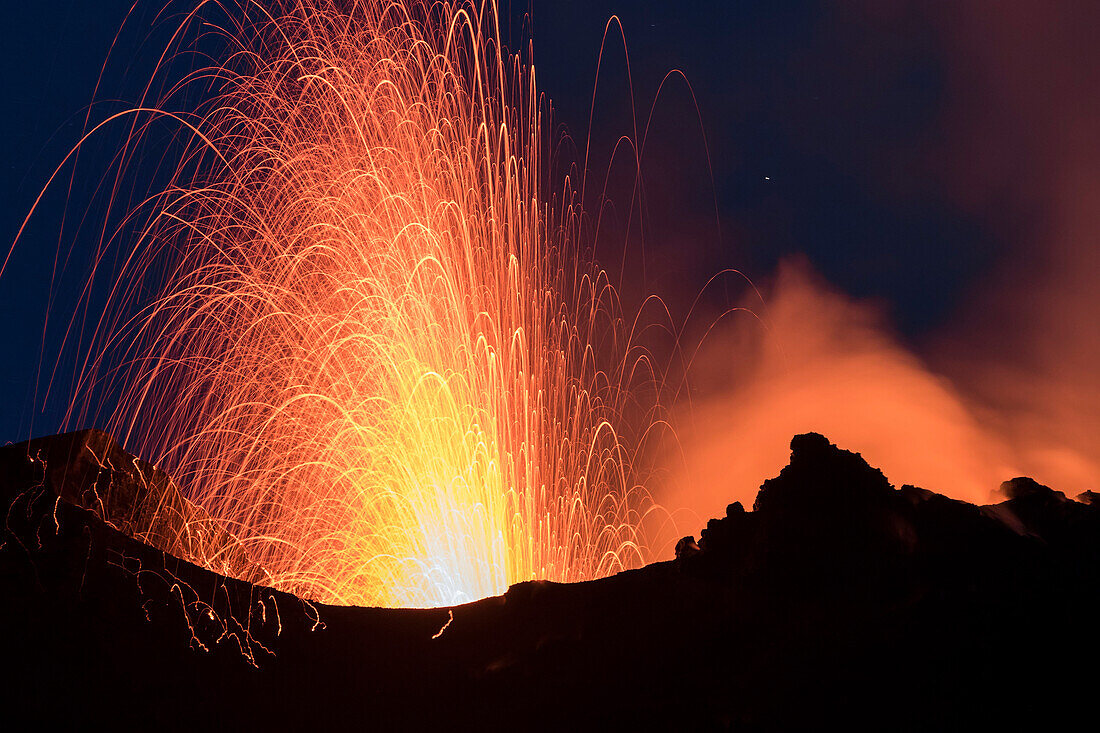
(831, 517)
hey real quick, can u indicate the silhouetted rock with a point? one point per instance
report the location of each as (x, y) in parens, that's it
(828, 517)
(838, 602)
(1023, 487)
(686, 547)
(89, 469)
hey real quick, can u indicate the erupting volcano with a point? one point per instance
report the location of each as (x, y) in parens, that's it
(351, 415)
(377, 355)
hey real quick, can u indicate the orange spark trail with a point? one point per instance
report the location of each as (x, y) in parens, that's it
(376, 356)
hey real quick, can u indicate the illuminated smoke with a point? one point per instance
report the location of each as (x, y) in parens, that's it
(818, 361)
(1009, 386)
(1023, 155)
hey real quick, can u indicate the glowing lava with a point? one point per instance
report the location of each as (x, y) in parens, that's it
(375, 355)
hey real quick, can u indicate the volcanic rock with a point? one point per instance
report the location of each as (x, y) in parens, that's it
(838, 602)
(89, 469)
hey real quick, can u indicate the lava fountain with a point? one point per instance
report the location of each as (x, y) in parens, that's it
(374, 351)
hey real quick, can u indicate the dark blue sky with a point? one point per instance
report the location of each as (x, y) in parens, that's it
(821, 119)
(53, 52)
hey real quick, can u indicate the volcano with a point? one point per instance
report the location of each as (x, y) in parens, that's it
(837, 600)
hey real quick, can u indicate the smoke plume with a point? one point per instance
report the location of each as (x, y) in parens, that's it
(1008, 384)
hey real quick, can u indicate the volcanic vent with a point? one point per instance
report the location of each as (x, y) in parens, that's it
(864, 604)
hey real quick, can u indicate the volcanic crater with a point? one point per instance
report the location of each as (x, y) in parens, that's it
(837, 600)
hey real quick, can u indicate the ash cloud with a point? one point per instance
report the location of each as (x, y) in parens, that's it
(1024, 124)
(1007, 385)
(825, 362)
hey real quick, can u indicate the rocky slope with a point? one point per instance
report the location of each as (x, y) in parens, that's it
(88, 468)
(838, 600)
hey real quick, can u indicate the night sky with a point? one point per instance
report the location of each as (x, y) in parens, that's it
(904, 149)
(815, 114)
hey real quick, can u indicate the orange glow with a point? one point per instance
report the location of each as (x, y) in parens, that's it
(376, 356)
(362, 328)
(820, 361)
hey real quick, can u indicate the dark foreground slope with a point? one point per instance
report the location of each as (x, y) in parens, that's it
(838, 600)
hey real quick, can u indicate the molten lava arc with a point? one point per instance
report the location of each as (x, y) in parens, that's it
(375, 354)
